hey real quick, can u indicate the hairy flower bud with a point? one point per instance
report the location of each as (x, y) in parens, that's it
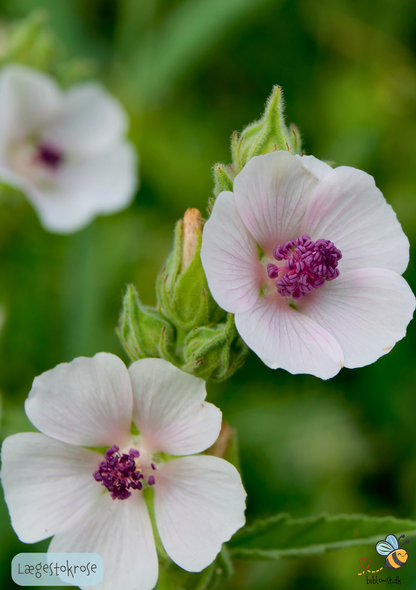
(191, 230)
(143, 331)
(182, 290)
(187, 328)
(215, 351)
(269, 134)
(223, 178)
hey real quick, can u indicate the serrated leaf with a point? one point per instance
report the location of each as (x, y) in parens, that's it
(283, 536)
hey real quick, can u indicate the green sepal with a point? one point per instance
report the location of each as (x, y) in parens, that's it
(223, 178)
(215, 351)
(296, 139)
(143, 331)
(167, 277)
(268, 134)
(282, 536)
(183, 295)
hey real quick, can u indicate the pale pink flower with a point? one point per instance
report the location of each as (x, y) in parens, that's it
(67, 151)
(93, 502)
(309, 259)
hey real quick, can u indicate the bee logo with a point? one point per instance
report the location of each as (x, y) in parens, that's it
(395, 556)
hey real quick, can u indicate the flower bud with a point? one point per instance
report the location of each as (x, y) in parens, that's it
(143, 331)
(188, 328)
(223, 178)
(215, 351)
(268, 134)
(182, 290)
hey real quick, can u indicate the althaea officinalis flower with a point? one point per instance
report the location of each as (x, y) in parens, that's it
(309, 259)
(94, 502)
(66, 151)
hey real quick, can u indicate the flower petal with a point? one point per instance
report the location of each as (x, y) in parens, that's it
(287, 339)
(28, 99)
(317, 167)
(271, 194)
(10, 178)
(120, 532)
(92, 120)
(366, 310)
(85, 188)
(230, 258)
(349, 210)
(199, 504)
(86, 402)
(48, 485)
(169, 409)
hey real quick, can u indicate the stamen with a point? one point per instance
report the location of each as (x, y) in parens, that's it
(120, 473)
(49, 155)
(308, 265)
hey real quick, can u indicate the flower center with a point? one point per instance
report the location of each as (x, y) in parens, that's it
(49, 155)
(121, 472)
(37, 160)
(308, 265)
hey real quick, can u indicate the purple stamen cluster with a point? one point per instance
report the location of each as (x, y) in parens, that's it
(308, 265)
(49, 155)
(120, 473)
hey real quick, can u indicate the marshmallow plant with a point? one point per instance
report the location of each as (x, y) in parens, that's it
(305, 259)
(298, 261)
(66, 151)
(153, 421)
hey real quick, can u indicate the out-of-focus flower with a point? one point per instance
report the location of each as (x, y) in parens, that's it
(67, 151)
(309, 260)
(95, 502)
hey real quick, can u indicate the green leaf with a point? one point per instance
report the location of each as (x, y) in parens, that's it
(282, 536)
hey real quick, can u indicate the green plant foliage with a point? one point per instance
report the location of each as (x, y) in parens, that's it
(174, 578)
(192, 71)
(282, 536)
(187, 328)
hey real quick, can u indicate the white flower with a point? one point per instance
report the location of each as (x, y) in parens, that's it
(53, 486)
(309, 260)
(65, 150)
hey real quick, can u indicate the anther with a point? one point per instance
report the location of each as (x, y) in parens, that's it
(308, 265)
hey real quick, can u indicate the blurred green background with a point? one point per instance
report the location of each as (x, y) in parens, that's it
(190, 72)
